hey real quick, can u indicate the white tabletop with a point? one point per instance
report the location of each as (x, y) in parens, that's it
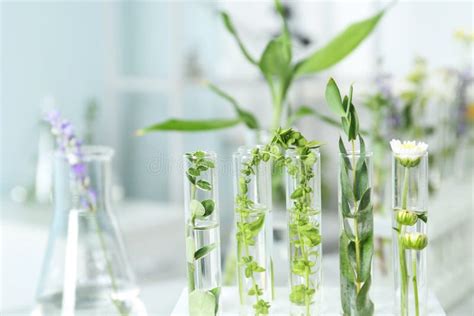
(382, 298)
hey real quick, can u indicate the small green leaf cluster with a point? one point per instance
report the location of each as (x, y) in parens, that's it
(309, 234)
(356, 240)
(201, 302)
(304, 233)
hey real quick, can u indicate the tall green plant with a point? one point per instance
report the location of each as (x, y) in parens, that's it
(277, 65)
(356, 241)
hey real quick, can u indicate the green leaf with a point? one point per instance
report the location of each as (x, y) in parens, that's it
(216, 292)
(367, 250)
(344, 260)
(364, 305)
(346, 210)
(343, 151)
(230, 27)
(346, 187)
(201, 303)
(276, 58)
(339, 47)
(333, 98)
(348, 230)
(348, 295)
(362, 181)
(204, 251)
(208, 206)
(189, 125)
(197, 209)
(364, 201)
(245, 116)
(257, 225)
(203, 185)
(297, 193)
(365, 226)
(422, 216)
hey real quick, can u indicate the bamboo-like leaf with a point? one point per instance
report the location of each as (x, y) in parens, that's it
(363, 304)
(365, 223)
(189, 125)
(248, 118)
(229, 25)
(201, 252)
(346, 187)
(339, 47)
(343, 151)
(362, 181)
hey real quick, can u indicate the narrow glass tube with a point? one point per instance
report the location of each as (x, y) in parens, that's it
(253, 223)
(303, 200)
(201, 214)
(409, 197)
(356, 245)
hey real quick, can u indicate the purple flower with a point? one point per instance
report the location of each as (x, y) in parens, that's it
(70, 146)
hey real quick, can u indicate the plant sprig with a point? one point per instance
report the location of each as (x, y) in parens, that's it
(356, 242)
(283, 139)
(200, 301)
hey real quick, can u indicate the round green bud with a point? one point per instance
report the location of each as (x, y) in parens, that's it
(415, 241)
(406, 217)
(409, 162)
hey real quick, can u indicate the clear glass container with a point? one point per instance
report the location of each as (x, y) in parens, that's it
(201, 215)
(409, 199)
(303, 200)
(356, 245)
(85, 268)
(253, 224)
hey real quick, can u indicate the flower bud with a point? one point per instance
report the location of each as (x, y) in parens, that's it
(416, 241)
(406, 217)
(409, 162)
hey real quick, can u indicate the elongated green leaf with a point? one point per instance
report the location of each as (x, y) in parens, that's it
(256, 225)
(343, 151)
(364, 201)
(364, 305)
(365, 220)
(189, 125)
(362, 181)
(248, 118)
(348, 295)
(367, 250)
(204, 251)
(230, 27)
(344, 260)
(346, 187)
(333, 98)
(339, 47)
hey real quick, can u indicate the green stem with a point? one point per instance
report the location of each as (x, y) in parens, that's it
(403, 273)
(405, 188)
(401, 250)
(118, 305)
(356, 222)
(277, 111)
(415, 284)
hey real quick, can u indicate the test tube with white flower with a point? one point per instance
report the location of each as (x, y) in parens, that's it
(201, 213)
(409, 197)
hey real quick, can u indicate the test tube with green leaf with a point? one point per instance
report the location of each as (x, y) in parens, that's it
(202, 233)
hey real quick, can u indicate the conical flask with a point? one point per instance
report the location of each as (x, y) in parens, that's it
(85, 268)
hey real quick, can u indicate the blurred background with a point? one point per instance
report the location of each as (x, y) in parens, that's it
(113, 67)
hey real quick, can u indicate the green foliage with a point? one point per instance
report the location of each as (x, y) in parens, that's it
(305, 234)
(201, 302)
(189, 125)
(356, 240)
(277, 66)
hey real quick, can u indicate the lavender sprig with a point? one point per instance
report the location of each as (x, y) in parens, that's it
(71, 146)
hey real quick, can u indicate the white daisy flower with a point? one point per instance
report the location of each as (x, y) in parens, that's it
(408, 153)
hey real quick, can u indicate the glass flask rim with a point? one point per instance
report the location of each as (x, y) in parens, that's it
(207, 154)
(291, 152)
(91, 153)
(356, 153)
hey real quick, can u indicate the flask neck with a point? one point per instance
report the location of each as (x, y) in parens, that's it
(85, 185)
